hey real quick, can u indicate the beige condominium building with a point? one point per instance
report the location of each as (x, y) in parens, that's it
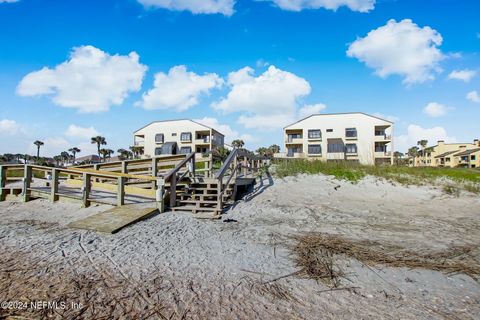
(354, 136)
(449, 155)
(176, 137)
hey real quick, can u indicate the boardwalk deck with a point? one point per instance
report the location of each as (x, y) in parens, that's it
(115, 219)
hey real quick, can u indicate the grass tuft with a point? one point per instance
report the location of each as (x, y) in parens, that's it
(448, 178)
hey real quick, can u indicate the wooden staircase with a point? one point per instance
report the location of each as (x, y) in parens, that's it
(201, 198)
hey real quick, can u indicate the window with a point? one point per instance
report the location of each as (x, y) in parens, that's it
(447, 159)
(159, 138)
(314, 149)
(472, 157)
(158, 151)
(186, 136)
(314, 134)
(174, 134)
(336, 147)
(351, 132)
(185, 150)
(351, 148)
(329, 130)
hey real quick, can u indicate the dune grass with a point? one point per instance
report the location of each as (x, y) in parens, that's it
(449, 178)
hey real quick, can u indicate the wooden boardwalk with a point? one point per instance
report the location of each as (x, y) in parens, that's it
(115, 219)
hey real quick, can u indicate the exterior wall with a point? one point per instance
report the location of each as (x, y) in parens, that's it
(365, 140)
(202, 138)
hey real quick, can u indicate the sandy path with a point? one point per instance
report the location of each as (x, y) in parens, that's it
(216, 269)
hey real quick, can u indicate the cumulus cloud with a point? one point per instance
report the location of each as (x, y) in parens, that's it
(90, 81)
(224, 7)
(473, 96)
(267, 101)
(465, 75)
(298, 5)
(75, 131)
(434, 109)
(401, 48)
(8, 126)
(416, 133)
(179, 89)
(310, 109)
(230, 134)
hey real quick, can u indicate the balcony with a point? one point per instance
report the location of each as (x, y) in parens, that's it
(203, 140)
(139, 143)
(383, 137)
(383, 154)
(336, 156)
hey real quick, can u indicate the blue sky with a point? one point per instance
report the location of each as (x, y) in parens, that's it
(70, 69)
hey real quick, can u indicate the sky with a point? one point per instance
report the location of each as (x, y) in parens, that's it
(70, 70)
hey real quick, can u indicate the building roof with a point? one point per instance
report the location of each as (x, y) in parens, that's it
(467, 152)
(92, 157)
(443, 155)
(338, 113)
(178, 120)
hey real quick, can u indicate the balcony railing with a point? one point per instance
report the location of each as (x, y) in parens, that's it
(139, 143)
(383, 154)
(383, 137)
(203, 140)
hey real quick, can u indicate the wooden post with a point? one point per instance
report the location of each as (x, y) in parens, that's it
(54, 185)
(27, 179)
(219, 194)
(173, 190)
(120, 191)
(124, 167)
(154, 170)
(193, 167)
(96, 166)
(245, 166)
(3, 182)
(86, 188)
(159, 198)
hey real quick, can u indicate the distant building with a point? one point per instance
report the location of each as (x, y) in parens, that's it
(177, 137)
(354, 136)
(448, 155)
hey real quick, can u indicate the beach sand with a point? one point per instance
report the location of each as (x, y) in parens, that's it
(242, 266)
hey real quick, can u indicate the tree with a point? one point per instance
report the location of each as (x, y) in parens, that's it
(262, 151)
(238, 143)
(221, 152)
(106, 153)
(136, 150)
(57, 160)
(123, 153)
(38, 143)
(74, 152)
(413, 151)
(422, 143)
(99, 141)
(65, 156)
(274, 148)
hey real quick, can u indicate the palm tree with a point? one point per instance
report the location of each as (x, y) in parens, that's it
(57, 160)
(262, 151)
(237, 144)
(136, 150)
(106, 153)
(123, 154)
(65, 157)
(98, 140)
(274, 148)
(74, 151)
(38, 143)
(221, 153)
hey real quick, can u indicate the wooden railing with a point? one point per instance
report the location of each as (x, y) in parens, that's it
(80, 183)
(175, 175)
(239, 163)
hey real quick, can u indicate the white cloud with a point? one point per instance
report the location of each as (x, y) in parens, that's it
(416, 133)
(310, 109)
(75, 131)
(179, 89)
(464, 75)
(230, 134)
(298, 5)
(90, 81)
(8, 1)
(434, 110)
(51, 146)
(9, 126)
(224, 7)
(400, 48)
(267, 101)
(473, 96)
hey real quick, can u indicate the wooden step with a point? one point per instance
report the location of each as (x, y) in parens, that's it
(195, 209)
(198, 201)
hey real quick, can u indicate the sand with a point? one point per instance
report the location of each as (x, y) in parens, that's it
(241, 267)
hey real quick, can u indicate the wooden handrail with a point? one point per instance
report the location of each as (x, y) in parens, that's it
(169, 174)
